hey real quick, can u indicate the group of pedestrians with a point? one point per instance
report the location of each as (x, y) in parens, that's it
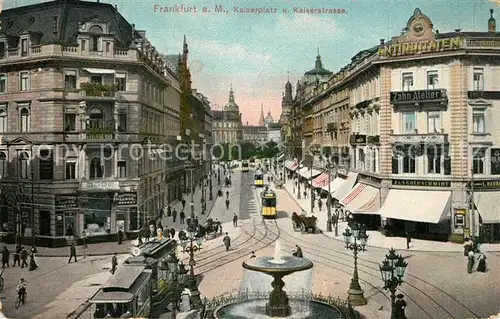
(473, 254)
(20, 257)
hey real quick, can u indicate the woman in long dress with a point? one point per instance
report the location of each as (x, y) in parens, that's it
(33, 264)
(481, 267)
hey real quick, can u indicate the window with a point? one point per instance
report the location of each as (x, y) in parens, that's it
(70, 79)
(122, 169)
(478, 121)
(83, 45)
(3, 164)
(96, 79)
(409, 122)
(410, 154)
(25, 119)
(24, 47)
(46, 165)
(24, 166)
(95, 168)
(433, 159)
(478, 79)
(69, 122)
(95, 38)
(3, 50)
(108, 47)
(432, 80)
(121, 81)
(70, 169)
(24, 81)
(478, 158)
(3, 83)
(407, 81)
(433, 122)
(3, 119)
(495, 161)
(122, 122)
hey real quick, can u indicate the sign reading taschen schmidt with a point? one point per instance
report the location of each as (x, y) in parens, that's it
(418, 96)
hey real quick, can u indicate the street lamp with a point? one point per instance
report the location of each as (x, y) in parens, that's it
(177, 272)
(392, 272)
(355, 293)
(191, 244)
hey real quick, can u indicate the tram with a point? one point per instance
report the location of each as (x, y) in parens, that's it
(268, 202)
(258, 179)
(244, 166)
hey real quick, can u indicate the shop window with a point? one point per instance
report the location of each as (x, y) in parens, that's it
(407, 81)
(478, 159)
(96, 169)
(44, 222)
(25, 119)
(409, 159)
(432, 80)
(3, 118)
(121, 81)
(24, 165)
(478, 119)
(3, 164)
(122, 169)
(447, 161)
(495, 161)
(478, 79)
(70, 170)
(3, 83)
(409, 122)
(69, 122)
(24, 81)
(433, 159)
(70, 79)
(46, 165)
(433, 122)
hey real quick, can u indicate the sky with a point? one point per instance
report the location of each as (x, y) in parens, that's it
(256, 53)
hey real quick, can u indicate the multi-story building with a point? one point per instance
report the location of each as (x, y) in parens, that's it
(274, 133)
(255, 133)
(86, 102)
(227, 126)
(286, 119)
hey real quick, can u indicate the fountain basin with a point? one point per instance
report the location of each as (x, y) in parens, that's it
(286, 266)
(256, 309)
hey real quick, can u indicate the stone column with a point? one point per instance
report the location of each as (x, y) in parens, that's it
(385, 121)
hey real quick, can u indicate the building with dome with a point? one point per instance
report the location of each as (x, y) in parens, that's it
(227, 126)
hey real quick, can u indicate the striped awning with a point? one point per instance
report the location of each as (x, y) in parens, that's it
(292, 165)
(322, 180)
(362, 199)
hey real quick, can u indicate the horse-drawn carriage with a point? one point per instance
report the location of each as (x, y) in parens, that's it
(304, 222)
(212, 229)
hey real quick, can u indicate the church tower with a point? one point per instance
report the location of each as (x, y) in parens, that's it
(262, 120)
(286, 102)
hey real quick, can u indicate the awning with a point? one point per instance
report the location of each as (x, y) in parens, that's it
(308, 173)
(334, 185)
(99, 71)
(321, 180)
(293, 165)
(360, 198)
(346, 186)
(417, 206)
(302, 170)
(488, 205)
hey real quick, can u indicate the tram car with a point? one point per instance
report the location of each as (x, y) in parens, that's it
(268, 201)
(258, 179)
(244, 166)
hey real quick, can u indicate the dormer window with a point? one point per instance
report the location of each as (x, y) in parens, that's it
(3, 49)
(24, 47)
(95, 38)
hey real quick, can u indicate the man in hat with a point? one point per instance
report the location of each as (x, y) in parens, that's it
(400, 306)
(114, 264)
(227, 241)
(72, 252)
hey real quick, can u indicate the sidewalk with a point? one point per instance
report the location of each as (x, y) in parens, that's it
(377, 239)
(100, 249)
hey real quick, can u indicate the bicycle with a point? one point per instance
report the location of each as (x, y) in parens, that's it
(1, 280)
(17, 304)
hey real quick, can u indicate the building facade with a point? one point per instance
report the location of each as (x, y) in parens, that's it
(85, 105)
(255, 133)
(227, 126)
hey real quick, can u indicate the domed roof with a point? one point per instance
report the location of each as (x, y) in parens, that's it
(231, 104)
(269, 117)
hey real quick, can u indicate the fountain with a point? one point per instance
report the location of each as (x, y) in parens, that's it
(278, 303)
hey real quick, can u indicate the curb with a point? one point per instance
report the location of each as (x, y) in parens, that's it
(81, 255)
(380, 247)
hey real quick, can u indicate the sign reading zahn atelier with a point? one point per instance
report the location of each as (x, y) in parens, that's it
(417, 96)
(420, 183)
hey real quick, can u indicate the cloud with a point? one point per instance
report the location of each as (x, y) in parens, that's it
(235, 52)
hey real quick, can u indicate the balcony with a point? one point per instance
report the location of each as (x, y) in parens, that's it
(439, 96)
(331, 127)
(99, 130)
(100, 185)
(357, 139)
(98, 91)
(430, 138)
(373, 139)
(487, 95)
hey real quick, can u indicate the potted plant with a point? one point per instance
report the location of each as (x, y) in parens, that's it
(98, 89)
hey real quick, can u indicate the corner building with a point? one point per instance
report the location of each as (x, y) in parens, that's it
(86, 101)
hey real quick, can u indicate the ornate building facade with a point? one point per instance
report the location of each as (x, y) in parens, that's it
(227, 126)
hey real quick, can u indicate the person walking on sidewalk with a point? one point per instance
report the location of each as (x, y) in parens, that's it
(470, 262)
(172, 232)
(5, 257)
(400, 306)
(17, 257)
(182, 217)
(320, 204)
(235, 220)
(227, 203)
(169, 211)
(227, 242)
(120, 236)
(227, 194)
(114, 263)
(72, 252)
(24, 257)
(481, 266)
(174, 215)
(183, 202)
(408, 239)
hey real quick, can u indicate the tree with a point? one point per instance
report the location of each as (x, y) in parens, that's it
(16, 200)
(269, 150)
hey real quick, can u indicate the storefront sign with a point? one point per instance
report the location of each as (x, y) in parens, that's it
(495, 184)
(411, 48)
(66, 202)
(483, 43)
(99, 185)
(420, 183)
(358, 139)
(126, 199)
(418, 96)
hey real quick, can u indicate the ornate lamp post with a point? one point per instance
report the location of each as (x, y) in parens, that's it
(392, 272)
(177, 272)
(191, 245)
(351, 239)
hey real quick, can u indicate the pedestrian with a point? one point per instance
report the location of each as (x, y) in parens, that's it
(174, 215)
(72, 252)
(120, 236)
(305, 194)
(188, 221)
(235, 220)
(253, 255)
(227, 242)
(227, 203)
(182, 217)
(114, 263)
(470, 262)
(183, 202)
(320, 204)
(24, 257)
(227, 194)
(169, 211)
(408, 239)
(298, 252)
(147, 232)
(467, 247)
(33, 264)
(5, 257)
(17, 256)
(172, 232)
(481, 266)
(161, 212)
(400, 306)
(196, 222)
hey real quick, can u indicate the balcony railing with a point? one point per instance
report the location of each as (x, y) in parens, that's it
(98, 90)
(429, 138)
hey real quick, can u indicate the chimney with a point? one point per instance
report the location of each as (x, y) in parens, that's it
(55, 25)
(116, 7)
(458, 30)
(382, 41)
(492, 25)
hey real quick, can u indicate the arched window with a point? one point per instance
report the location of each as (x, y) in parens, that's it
(24, 166)
(25, 120)
(96, 118)
(95, 38)
(3, 120)
(3, 164)
(95, 168)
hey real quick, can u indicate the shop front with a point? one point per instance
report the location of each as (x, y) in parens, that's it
(425, 213)
(66, 216)
(127, 218)
(487, 206)
(96, 199)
